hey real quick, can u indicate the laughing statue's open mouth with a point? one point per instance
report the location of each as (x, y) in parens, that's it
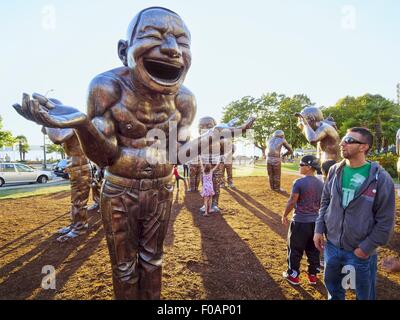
(163, 71)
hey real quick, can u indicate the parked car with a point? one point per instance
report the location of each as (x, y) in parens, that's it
(60, 167)
(19, 173)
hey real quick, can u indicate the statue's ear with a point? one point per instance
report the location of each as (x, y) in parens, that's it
(122, 49)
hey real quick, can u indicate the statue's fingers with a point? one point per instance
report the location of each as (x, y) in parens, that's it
(26, 104)
(43, 101)
(18, 108)
(35, 109)
(45, 119)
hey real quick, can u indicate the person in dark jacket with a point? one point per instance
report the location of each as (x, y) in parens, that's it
(357, 216)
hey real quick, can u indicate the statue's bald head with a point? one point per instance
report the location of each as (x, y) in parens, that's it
(207, 123)
(132, 29)
(278, 134)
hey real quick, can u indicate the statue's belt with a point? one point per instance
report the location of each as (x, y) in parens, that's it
(137, 184)
(85, 167)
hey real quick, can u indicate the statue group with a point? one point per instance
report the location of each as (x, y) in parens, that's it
(124, 106)
(128, 109)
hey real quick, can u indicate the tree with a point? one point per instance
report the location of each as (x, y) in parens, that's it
(375, 112)
(287, 121)
(260, 108)
(23, 146)
(6, 138)
(273, 111)
(57, 149)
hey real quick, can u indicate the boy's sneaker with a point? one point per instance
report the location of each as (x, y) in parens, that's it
(292, 280)
(312, 279)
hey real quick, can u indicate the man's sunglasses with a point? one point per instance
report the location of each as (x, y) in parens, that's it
(304, 165)
(351, 140)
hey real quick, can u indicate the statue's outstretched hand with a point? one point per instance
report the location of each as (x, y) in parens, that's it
(231, 125)
(49, 113)
(248, 124)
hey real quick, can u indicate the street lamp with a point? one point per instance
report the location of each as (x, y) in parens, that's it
(398, 93)
(51, 90)
(44, 138)
(44, 151)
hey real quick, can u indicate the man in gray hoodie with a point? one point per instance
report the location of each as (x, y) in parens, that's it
(357, 216)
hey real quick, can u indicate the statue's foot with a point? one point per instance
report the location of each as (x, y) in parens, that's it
(215, 209)
(231, 185)
(94, 207)
(65, 230)
(222, 185)
(75, 232)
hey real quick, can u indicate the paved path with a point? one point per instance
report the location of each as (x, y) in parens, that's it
(55, 182)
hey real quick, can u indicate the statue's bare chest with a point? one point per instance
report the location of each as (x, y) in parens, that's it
(135, 116)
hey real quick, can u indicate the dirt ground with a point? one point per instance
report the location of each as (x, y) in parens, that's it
(237, 255)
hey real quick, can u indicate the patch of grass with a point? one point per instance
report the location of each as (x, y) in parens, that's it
(260, 170)
(249, 171)
(28, 192)
(293, 166)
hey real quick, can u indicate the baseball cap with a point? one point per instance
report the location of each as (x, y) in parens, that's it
(311, 161)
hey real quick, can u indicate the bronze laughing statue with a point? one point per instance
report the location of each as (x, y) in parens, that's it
(214, 158)
(320, 133)
(194, 166)
(97, 176)
(124, 106)
(227, 160)
(79, 176)
(274, 161)
(227, 167)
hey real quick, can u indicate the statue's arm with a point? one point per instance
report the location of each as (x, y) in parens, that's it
(186, 105)
(98, 138)
(288, 148)
(315, 136)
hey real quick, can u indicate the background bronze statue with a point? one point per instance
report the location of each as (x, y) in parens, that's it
(227, 168)
(207, 123)
(194, 175)
(79, 175)
(274, 158)
(124, 106)
(97, 176)
(320, 133)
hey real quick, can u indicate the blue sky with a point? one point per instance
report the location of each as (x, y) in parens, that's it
(326, 49)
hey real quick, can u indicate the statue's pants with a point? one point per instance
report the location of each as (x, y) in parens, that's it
(274, 174)
(96, 187)
(80, 189)
(218, 176)
(228, 168)
(195, 176)
(135, 216)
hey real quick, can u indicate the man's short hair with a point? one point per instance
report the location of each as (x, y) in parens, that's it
(367, 135)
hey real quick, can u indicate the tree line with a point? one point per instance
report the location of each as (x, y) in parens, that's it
(277, 111)
(8, 140)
